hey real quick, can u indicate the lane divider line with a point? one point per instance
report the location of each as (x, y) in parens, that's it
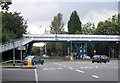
(36, 76)
(45, 69)
(64, 66)
(70, 67)
(95, 76)
(80, 71)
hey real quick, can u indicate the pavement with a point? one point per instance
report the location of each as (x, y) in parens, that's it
(18, 67)
(61, 71)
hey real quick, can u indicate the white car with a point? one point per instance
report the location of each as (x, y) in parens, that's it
(45, 56)
(85, 57)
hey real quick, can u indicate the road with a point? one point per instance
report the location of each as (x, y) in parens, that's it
(65, 71)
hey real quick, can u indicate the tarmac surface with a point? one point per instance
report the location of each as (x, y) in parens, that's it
(61, 71)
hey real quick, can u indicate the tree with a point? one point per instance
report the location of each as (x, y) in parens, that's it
(57, 26)
(109, 27)
(74, 24)
(5, 5)
(13, 26)
(88, 28)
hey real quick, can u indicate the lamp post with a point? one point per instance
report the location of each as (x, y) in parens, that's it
(45, 48)
(13, 55)
(71, 46)
(68, 51)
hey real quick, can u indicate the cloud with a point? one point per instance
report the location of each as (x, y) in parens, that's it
(38, 27)
(66, 0)
(98, 15)
(42, 13)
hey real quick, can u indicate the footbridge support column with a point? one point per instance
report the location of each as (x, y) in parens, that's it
(29, 49)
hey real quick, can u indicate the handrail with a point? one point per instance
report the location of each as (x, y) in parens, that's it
(13, 44)
(52, 37)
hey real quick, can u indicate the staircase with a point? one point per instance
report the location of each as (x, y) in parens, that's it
(14, 44)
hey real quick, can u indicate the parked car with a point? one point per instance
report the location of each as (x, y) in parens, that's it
(85, 57)
(34, 59)
(45, 56)
(100, 58)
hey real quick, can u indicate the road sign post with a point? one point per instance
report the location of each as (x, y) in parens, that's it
(21, 48)
(14, 57)
(94, 52)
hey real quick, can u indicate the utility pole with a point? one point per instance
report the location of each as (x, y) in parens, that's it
(68, 50)
(45, 48)
(13, 55)
(71, 46)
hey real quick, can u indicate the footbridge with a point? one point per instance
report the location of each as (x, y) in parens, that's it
(28, 38)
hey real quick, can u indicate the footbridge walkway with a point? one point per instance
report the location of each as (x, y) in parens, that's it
(27, 38)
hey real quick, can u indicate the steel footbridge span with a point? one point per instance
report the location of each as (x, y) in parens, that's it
(71, 37)
(28, 38)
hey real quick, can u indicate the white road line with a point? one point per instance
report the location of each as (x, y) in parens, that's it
(19, 69)
(80, 71)
(36, 76)
(70, 67)
(45, 69)
(52, 68)
(96, 66)
(59, 68)
(64, 66)
(95, 76)
(59, 64)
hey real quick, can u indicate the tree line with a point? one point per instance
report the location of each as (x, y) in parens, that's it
(14, 25)
(110, 26)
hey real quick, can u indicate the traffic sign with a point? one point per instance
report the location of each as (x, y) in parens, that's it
(21, 48)
(80, 50)
(94, 51)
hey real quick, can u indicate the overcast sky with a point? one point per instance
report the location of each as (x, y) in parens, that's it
(41, 12)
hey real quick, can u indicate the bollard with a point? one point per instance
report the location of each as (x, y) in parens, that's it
(29, 62)
(71, 58)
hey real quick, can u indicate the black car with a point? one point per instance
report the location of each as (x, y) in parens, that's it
(34, 60)
(100, 58)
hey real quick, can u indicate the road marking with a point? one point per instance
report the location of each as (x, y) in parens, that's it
(52, 68)
(96, 66)
(80, 71)
(19, 69)
(70, 67)
(64, 66)
(59, 68)
(45, 69)
(59, 64)
(36, 76)
(86, 67)
(95, 76)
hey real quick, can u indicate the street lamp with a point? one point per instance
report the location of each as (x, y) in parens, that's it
(71, 46)
(45, 48)
(13, 54)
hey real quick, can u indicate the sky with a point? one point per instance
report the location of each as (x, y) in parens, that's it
(40, 13)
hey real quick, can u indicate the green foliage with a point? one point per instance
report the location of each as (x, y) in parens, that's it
(78, 32)
(5, 5)
(57, 49)
(13, 26)
(88, 28)
(57, 24)
(109, 27)
(35, 51)
(74, 24)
